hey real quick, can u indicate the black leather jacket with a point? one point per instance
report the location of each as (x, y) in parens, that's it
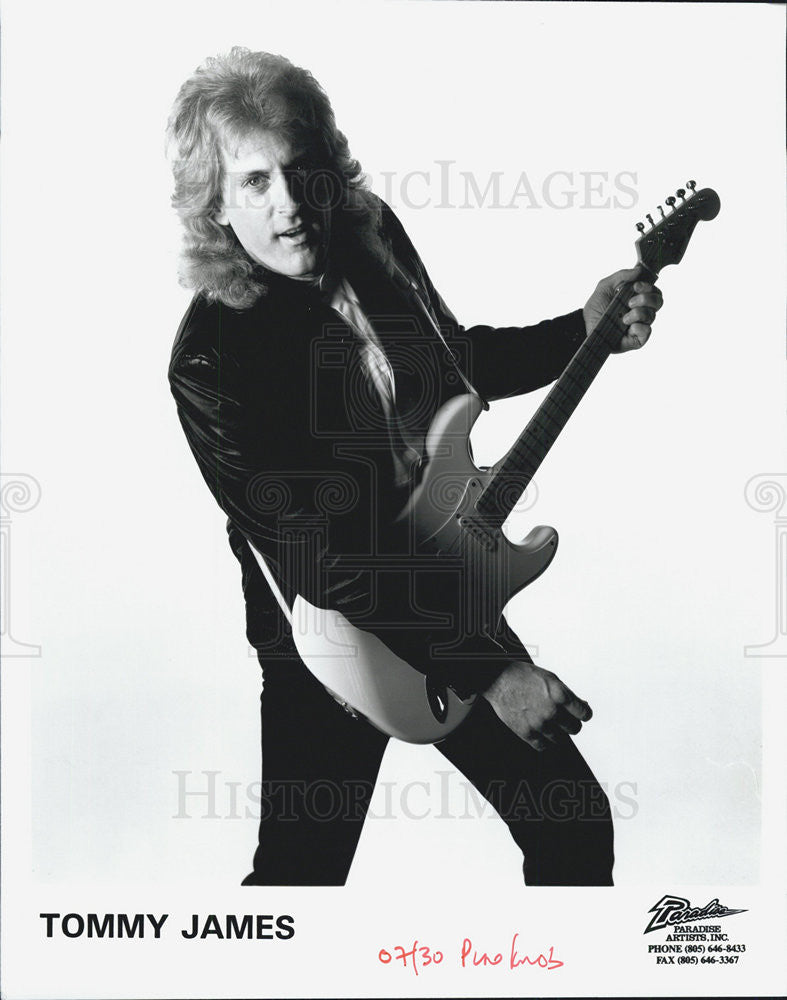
(294, 447)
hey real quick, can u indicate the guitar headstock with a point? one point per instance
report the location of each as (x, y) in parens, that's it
(666, 242)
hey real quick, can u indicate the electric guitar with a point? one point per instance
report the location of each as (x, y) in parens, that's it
(457, 512)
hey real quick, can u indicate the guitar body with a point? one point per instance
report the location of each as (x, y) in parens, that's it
(369, 680)
(358, 668)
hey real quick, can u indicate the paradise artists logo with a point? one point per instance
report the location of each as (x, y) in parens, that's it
(671, 910)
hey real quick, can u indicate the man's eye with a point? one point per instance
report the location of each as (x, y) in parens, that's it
(255, 181)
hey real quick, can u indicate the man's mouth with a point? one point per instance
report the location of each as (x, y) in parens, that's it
(296, 234)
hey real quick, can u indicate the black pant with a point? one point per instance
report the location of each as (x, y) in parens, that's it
(320, 765)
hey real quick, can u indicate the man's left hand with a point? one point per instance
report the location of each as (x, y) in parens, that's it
(643, 304)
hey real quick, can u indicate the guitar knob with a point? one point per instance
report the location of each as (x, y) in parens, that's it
(661, 210)
(691, 185)
(649, 217)
(671, 202)
(680, 193)
(641, 226)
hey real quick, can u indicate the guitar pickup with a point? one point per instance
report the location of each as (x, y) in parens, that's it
(480, 530)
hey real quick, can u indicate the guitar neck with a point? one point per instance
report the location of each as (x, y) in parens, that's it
(515, 471)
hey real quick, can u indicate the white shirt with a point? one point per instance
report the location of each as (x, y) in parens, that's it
(345, 301)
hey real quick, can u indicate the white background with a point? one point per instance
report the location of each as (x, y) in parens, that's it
(123, 576)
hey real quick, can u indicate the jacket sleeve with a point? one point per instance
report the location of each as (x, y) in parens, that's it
(498, 361)
(252, 469)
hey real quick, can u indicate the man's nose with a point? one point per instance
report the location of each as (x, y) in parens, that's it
(283, 193)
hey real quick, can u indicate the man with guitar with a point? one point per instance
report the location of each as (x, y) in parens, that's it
(307, 372)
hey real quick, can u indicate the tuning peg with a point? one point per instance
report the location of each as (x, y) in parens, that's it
(641, 226)
(691, 185)
(680, 193)
(671, 202)
(661, 210)
(649, 217)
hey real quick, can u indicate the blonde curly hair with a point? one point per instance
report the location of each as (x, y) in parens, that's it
(227, 97)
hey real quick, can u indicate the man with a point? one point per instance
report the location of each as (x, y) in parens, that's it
(306, 372)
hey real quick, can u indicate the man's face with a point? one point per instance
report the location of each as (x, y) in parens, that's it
(270, 207)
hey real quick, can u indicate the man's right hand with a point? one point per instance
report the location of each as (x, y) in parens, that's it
(536, 705)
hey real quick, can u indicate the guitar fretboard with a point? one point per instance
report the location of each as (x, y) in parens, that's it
(521, 463)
